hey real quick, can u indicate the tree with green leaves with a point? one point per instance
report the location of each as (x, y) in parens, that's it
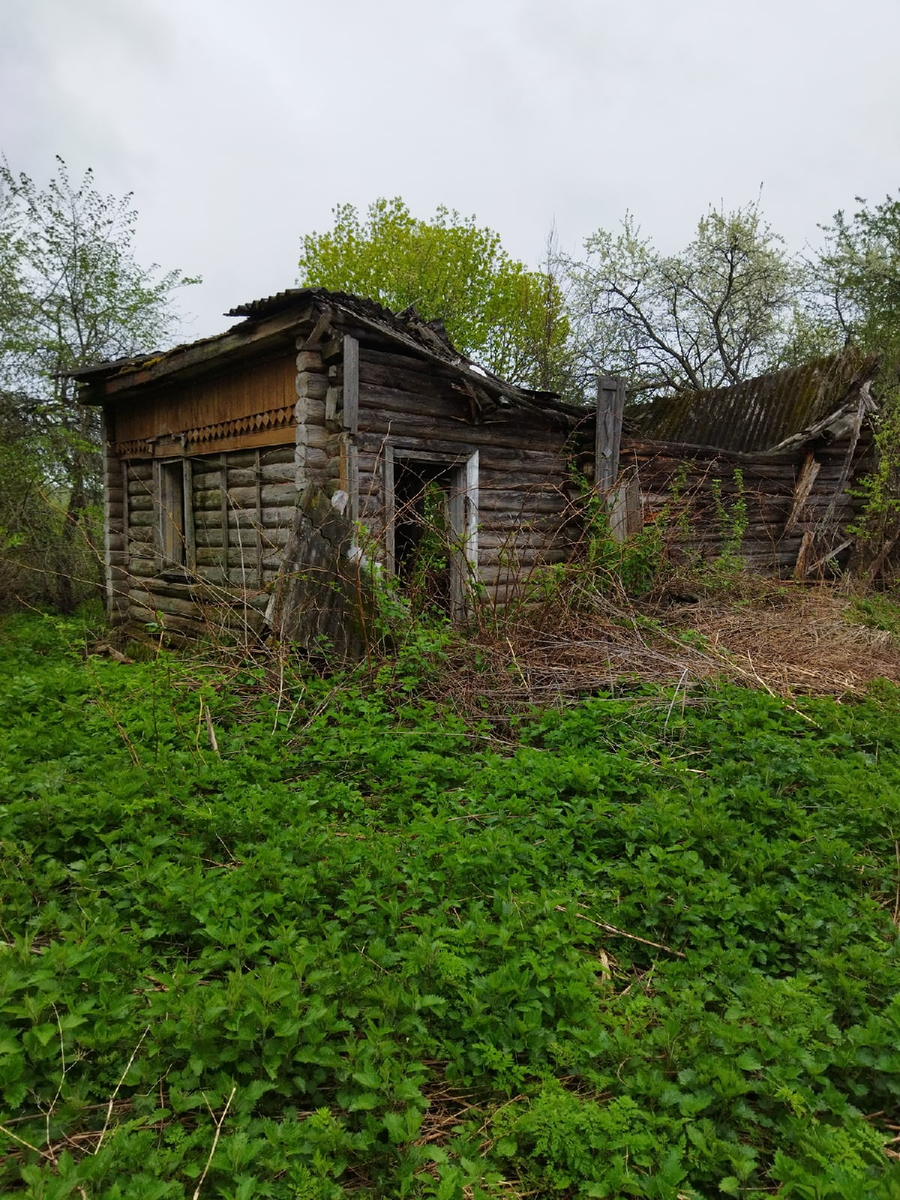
(511, 319)
(71, 293)
(857, 298)
(858, 276)
(721, 310)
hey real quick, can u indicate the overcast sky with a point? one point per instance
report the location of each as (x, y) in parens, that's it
(239, 125)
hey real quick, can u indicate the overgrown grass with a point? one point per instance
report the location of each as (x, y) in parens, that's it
(650, 949)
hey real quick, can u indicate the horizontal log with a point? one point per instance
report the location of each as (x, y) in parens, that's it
(520, 539)
(175, 587)
(271, 517)
(518, 477)
(141, 615)
(491, 574)
(278, 455)
(140, 488)
(310, 360)
(234, 459)
(138, 470)
(273, 495)
(522, 556)
(312, 458)
(404, 375)
(159, 601)
(279, 472)
(318, 438)
(450, 436)
(274, 536)
(312, 384)
(523, 505)
(210, 575)
(406, 362)
(141, 566)
(271, 561)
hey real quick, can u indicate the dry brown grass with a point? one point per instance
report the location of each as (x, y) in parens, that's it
(789, 639)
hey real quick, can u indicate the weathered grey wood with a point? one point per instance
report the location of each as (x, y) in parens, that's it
(351, 385)
(259, 509)
(608, 431)
(351, 458)
(388, 473)
(321, 327)
(210, 537)
(162, 602)
(406, 362)
(313, 386)
(448, 435)
(272, 517)
(321, 600)
(139, 566)
(190, 545)
(271, 473)
(223, 510)
(125, 514)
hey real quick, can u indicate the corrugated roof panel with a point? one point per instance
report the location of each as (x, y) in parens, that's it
(757, 413)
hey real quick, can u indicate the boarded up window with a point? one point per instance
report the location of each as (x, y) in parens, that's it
(171, 513)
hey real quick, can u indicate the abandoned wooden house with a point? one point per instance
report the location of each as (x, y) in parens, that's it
(253, 477)
(258, 480)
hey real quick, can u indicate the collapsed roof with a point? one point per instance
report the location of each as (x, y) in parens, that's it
(280, 314)
(771, 413)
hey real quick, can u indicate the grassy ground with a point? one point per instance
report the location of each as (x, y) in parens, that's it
(268, 935)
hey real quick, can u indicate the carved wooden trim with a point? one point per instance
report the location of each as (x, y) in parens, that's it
(257, 426)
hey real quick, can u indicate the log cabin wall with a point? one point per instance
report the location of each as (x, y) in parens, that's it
(320, 445)
(785, 510)
(524, 501)
(211, 465)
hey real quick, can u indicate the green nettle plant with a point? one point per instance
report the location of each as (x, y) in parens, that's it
(731, 522)
(267, 934)
(635, 566)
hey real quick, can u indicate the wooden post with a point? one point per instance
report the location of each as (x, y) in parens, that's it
(223, 487)
(608, 438)
(257, 475)
(190, 536)
(390, 508)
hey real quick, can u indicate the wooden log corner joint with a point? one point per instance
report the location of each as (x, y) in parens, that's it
(259, 481)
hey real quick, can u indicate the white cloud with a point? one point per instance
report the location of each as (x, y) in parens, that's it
(238, 127)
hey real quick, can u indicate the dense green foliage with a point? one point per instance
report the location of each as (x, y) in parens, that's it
(374, 929)
(494, 308)
(71, 294)
(719, 311)
(859, 275)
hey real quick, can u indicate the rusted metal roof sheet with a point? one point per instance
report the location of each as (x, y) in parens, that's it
(758, 413)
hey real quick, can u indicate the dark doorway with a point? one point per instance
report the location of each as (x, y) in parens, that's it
(431, 526)
(423, 532)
